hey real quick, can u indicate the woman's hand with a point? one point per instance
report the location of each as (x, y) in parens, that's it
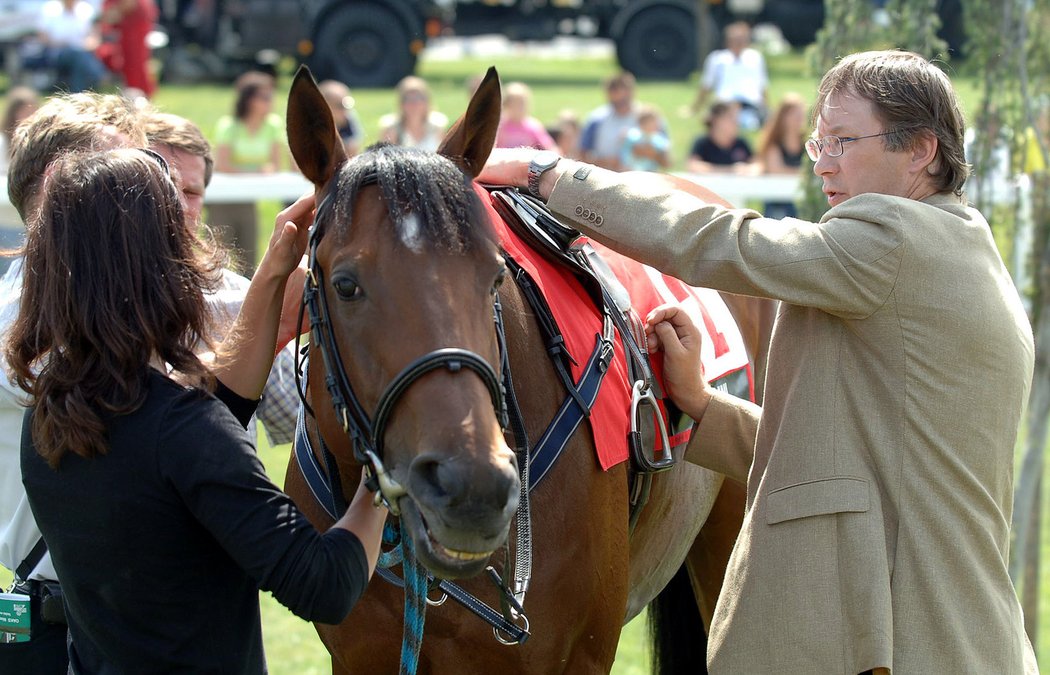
(365, 519)
(289, 239)
(670, 329)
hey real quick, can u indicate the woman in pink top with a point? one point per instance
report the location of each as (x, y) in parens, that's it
(517, 129)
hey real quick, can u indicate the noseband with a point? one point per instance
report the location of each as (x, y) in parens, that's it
(367, 434)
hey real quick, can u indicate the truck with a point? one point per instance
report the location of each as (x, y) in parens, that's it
(374, 43)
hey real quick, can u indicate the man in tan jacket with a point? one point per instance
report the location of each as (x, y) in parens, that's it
(880, 471)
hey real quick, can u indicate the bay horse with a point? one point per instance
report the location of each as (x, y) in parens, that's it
(410, 265)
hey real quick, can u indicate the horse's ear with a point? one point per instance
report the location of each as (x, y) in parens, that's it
(470, 140)
(312, 136)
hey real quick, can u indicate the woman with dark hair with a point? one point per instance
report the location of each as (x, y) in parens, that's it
(159, 517)
(252, 139)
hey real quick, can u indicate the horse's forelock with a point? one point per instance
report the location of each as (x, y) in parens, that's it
(428, 198)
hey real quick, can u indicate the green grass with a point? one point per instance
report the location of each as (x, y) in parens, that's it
(292, 646)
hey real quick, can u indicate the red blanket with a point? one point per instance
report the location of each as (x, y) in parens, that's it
(580, 321)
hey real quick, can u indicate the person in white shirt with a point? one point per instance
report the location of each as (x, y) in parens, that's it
(736, 74)
(69, 32)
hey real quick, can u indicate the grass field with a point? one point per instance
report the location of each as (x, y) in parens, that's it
(291, 644)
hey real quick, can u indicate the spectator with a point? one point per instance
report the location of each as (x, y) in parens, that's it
(605, 128)
(415, 124)
(566, 134)
(738, 74)
(252, 139)
(133, 20)
(69, 37)
(341, 103)
(780, 147)
(721, 148)
(646, 146)
(21, 103)
(249, 141)
(1033, 159)
(517, 128)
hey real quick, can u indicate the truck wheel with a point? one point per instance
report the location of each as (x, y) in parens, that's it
(363, 45)
(659, 43)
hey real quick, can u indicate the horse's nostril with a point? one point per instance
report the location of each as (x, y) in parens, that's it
(429, 472)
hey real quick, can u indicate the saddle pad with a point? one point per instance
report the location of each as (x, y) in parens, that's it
(580, 321)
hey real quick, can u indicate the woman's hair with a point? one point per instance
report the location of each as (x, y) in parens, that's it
(912, 97)
(112, 279)
(249, 85)
(776, 129)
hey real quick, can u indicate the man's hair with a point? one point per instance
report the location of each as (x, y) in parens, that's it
(912, 97)
(69, 123)
(112, 279)
(621, 79)
(180, 134)
(17, 99)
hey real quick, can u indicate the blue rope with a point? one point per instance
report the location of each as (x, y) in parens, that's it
(416, 588)
(415, 607)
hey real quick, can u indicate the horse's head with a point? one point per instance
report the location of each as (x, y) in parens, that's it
(408, 264)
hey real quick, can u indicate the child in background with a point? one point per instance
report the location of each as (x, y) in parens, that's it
(646, 146)
(518, 129)
(566, 134)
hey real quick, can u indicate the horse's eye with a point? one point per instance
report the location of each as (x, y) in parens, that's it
(500, 278)
(347, 289)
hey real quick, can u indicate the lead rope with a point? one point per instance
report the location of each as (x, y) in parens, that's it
(416, 587)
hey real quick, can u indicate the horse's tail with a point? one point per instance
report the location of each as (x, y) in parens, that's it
(676, 631)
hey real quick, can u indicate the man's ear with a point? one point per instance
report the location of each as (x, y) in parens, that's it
(924, 153)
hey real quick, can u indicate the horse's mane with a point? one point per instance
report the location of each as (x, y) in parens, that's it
(447, 212)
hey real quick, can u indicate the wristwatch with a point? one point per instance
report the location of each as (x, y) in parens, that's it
(542, 161)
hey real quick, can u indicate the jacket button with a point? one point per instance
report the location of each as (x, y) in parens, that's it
(579, 210)
(598, 221)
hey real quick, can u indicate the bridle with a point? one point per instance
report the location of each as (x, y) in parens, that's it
(367, 434)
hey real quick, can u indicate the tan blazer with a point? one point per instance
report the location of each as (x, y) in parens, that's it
(881, 486)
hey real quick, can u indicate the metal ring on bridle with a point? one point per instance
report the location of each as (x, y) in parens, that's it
(499, 634)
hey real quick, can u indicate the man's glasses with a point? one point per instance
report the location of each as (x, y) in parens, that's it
(158, 158)
(832, 145)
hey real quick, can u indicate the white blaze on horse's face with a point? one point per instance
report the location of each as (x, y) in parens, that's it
(410, 233)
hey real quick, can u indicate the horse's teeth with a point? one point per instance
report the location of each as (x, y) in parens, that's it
(465, 555)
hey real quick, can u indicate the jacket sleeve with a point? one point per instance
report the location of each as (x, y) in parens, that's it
(724, 440)
(209, 461)
(846, 264)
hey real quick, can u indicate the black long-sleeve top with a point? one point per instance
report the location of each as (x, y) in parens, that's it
(163, 543)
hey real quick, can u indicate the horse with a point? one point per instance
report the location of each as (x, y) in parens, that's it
(410, 267)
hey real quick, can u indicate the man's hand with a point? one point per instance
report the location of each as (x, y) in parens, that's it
(669, 329)
(507, 166)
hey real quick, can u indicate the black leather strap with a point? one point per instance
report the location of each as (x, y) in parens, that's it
(32, 560)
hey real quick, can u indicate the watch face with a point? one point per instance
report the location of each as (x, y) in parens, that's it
(545, 159)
